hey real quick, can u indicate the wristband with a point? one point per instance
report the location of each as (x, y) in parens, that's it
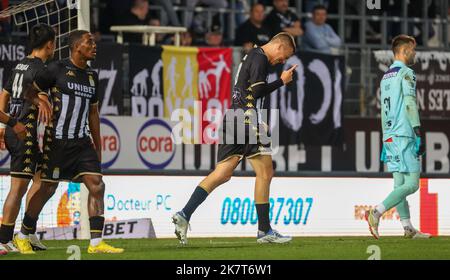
(11, 122)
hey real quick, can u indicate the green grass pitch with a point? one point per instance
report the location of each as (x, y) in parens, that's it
(301, 248)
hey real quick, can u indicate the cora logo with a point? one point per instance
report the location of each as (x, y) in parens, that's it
(155, 144)
(110, 139)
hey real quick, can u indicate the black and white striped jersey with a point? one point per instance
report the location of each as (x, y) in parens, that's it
(73, 90)
(253, 70)
(22, 76)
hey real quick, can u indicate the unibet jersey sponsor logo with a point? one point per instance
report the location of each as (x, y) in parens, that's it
(81, 90)
(155, 145)
(111, 143)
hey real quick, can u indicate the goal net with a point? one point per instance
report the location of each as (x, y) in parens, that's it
(67, 208)
(63, 15)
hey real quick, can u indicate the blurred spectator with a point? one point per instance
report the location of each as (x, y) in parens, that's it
(282, 19)
(310, 4)
(114, 9)
(214, 37)
(394, 9)
(168, 15)
(253, 31)
(187, 38)
(138, 15)
(199, 22)
(319, 35)
(416, 9)
(352, 27)
(160, 37)
(244, 7)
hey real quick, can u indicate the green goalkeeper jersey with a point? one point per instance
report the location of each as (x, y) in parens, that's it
(397, 84)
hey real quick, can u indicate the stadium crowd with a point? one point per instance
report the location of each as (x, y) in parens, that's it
(255, 21)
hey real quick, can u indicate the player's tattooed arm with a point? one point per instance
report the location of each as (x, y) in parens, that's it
(94, 127)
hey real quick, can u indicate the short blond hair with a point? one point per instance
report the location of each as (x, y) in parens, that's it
(400, 41)
(285, 38)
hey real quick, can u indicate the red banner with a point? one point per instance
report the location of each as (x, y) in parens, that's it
(214, 87)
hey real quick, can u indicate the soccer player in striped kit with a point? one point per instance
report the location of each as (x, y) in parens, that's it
(249, 91)
(25, 153)
(72, 150)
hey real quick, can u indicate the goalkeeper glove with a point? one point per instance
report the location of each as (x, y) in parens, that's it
(420, 143)
(383, 153)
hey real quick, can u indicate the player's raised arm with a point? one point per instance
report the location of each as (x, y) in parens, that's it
(278, 50)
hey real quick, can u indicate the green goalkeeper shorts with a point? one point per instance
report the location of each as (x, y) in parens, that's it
(401, 155)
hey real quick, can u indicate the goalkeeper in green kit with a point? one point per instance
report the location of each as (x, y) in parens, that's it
(403, 140)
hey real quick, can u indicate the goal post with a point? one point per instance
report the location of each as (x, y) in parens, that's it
(83, 16)
(84, 23)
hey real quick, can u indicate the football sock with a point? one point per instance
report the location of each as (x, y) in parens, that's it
(198, 196)
(6, 233)
(406, 223)
(403, 207)
(28, 225)
(94, 242)
(96, 224)
(410, 186)
(379, 210)
(263, 216)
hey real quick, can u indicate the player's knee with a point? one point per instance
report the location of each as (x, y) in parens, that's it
(18, 193)
(15, 197)
(266, 174)
(50, 190)
(412, 188)
(98, 189)
(47, 190)
(225, 177)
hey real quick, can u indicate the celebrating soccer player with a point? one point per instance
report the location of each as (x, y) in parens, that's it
(403, 139)
(20, 136)
(250, 88)
(69, 152)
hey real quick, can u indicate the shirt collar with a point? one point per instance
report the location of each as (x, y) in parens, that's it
(398, 63)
